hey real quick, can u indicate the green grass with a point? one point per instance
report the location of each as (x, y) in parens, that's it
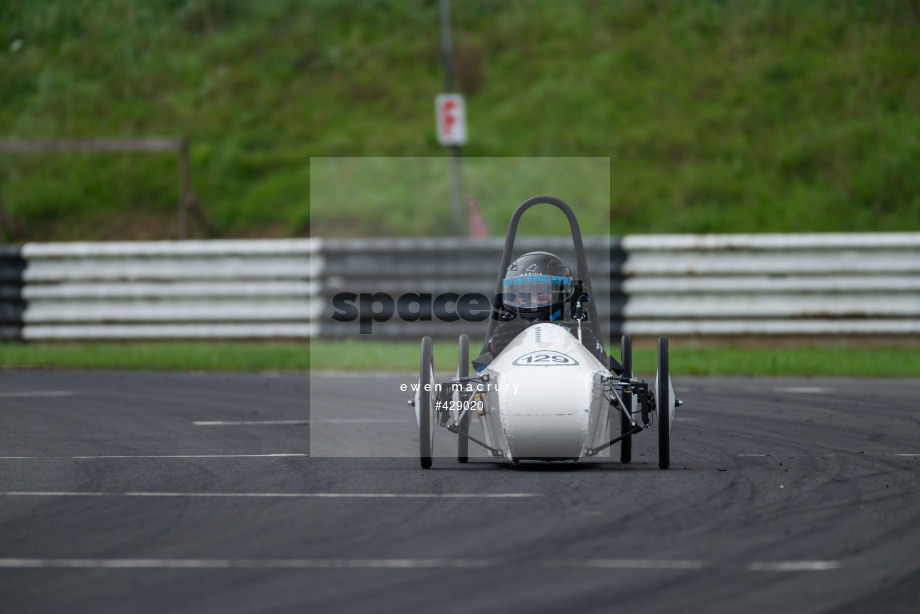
(716, 115)
(852, 361)
(157, 356)
(404, 356)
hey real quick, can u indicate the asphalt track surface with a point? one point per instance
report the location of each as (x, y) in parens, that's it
(146, 492)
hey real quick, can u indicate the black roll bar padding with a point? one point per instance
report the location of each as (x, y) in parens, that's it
(582, 263)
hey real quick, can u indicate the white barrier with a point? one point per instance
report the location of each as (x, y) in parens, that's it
(805, 284)
(171, 289)
(796, 284)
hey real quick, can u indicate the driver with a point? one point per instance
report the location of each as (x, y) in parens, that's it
(537, 287)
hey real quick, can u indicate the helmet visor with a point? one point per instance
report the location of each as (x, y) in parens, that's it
(535, 291)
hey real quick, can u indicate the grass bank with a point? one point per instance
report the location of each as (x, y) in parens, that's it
(792, 115)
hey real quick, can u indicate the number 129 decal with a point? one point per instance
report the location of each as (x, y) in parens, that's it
(545, 358)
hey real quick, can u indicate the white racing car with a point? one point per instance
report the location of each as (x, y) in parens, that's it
(546, 396)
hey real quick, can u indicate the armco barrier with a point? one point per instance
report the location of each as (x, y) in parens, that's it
(797, 284)
(11, 303)
(800, 284)
(460, 266)
(188, 289)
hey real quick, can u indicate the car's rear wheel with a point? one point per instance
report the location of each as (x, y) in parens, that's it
(625, 426)
(463, 370)
(663, 405)
(426, 417)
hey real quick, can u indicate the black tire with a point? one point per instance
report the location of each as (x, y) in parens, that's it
(463, 444)
(663, 406)
(625, 426)
(424, 404)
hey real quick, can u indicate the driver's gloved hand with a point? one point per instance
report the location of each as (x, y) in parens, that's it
(482, 361)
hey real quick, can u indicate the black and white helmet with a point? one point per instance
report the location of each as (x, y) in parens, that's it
(536, 287)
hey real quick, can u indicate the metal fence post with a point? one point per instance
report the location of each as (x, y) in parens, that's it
(187, 200)
(184, 188)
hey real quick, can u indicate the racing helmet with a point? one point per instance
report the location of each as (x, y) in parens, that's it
(536, 286)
